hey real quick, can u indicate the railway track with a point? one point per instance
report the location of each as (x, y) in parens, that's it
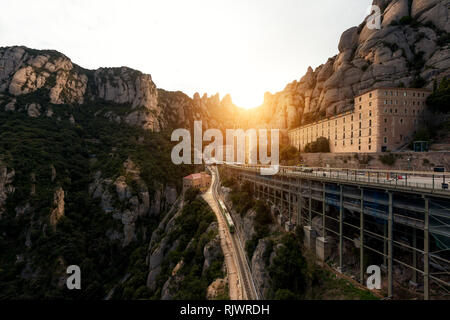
(245, 275)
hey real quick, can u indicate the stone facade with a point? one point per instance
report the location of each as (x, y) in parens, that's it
(201, 181)
(381, 120)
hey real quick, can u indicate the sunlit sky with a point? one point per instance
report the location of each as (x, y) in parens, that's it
(240, 47)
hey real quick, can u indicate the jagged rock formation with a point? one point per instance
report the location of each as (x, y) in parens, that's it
(58, 203)
(403, 52)
(128, 198)
(6, 186)
(166, 241)
(120, 94)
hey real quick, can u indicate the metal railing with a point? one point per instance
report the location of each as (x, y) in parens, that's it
(423, 180)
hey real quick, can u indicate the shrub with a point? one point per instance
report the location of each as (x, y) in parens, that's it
(406, 20)
(191, 194)
(388, 159)
(320, 145)
(439, 100)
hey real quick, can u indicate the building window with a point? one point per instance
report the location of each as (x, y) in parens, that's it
(370, 95)
(360, 125)
(370, 113)
(360, 116)
(370, 104)
(351, 142)
(370, 123)
(401, 120)
(370, 140)
(359, 148)
(370, 147)
(360, 133)
(370, 132)
(395, 110)
(385, 120)
(359, 142)
(405, 94)
(360, 99)
(385, 129)
(385, 139)
(352, 119)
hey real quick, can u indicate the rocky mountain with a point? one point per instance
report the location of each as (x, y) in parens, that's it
(122, 95)
(411, 49)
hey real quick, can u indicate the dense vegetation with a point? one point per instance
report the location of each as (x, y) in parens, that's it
(289, 155)
(33, 146)
(191, 234)
(320, 145)
(439, 100)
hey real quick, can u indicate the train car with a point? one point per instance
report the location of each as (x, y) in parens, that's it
(226, 215)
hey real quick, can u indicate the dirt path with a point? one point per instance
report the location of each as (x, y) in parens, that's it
(226, 244)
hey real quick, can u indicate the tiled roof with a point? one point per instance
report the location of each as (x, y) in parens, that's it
(195, 176)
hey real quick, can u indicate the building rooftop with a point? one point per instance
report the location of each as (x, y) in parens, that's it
(195, 176)
(363, 92)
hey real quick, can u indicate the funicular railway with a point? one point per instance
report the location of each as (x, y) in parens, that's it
(403, 226)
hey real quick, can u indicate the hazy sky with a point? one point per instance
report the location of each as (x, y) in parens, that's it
(241, 47)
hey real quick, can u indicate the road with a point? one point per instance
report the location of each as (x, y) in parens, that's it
(437, 182)
(240, 279)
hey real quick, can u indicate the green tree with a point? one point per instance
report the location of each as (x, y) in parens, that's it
(439, 100)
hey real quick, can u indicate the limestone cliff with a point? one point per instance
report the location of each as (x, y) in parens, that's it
(410, 49)
(122, 95)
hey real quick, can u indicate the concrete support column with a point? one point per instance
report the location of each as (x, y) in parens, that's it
(341, 229)
(300, 206)
(390, 248)
(426, 252)
(361, 239)
(309, 239)
(323, 249)
(414, 276)
(310, 204)
(324, 198)
(290, 203)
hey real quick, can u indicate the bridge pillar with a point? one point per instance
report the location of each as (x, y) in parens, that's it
(361, 239)
(290, 203)
(310, 204)
(323, 248)
(390, 252)
(426, 252)
(341, 240)
(414, 257)
(324, 203)
(309, 240)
